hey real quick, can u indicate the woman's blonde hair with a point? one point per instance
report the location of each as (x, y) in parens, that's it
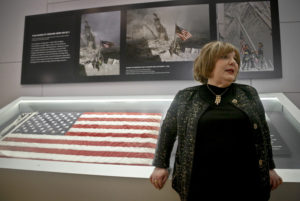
(205, 63)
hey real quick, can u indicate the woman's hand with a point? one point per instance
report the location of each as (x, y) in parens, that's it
(275, 179)
(159, 177)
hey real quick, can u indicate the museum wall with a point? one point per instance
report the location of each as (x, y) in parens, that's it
(12, 29)
(12, 16)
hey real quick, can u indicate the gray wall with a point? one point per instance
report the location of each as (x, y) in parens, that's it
(12, 14)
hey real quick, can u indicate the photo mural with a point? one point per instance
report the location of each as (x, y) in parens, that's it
(149, 41)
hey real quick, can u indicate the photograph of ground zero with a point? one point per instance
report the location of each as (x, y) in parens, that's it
(248, 25)
(166, 34)
(100, 44)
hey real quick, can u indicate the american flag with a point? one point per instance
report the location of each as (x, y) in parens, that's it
(107, 44)
(92, 137)
(182, 33)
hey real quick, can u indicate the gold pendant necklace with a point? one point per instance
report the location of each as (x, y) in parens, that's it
(218, 97)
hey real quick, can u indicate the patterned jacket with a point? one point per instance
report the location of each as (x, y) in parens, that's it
(181, 122)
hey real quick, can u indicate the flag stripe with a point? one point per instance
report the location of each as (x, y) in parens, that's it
(99, 130)
(96, 134)
(79, 148)
(133, 123)
(76, 152)
(80, 142)
(122, 127)
(74, 158)
(118, 119)
(82, 138)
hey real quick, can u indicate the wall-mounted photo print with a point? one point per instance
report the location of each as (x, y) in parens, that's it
(248, 25)
(149, 41)
(100, 44)
(166, 34)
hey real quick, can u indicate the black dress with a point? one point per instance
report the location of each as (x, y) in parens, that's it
(225, 165)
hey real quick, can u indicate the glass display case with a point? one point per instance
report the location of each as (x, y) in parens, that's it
(43, 134)
(20, 124)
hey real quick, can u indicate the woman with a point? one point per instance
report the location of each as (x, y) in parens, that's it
(224, 148)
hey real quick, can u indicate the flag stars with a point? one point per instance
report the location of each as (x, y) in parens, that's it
(45, 122)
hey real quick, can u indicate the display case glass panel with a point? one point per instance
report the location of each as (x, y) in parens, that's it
(65, 142)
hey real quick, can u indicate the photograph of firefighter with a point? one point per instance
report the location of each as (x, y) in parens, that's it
(100, 44)
(248, 26)
(166, 34)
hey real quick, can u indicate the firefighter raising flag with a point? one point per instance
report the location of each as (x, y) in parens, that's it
(182, 33)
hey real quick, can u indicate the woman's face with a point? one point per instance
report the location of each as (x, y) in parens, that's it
(225, 70)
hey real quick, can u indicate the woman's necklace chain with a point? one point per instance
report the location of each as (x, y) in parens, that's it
(218, 97)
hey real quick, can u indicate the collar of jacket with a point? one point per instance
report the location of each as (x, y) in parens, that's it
(242, 99)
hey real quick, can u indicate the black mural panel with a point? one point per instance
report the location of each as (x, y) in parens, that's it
(149, 41)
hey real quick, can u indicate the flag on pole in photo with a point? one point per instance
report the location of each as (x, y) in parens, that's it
(182, 33)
